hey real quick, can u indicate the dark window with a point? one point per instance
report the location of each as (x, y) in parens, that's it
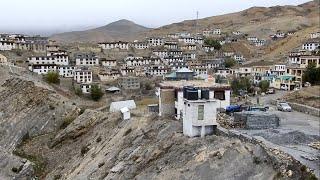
(219, 95)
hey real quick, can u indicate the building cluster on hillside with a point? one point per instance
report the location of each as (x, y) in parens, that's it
(164, 58)
(17, 41)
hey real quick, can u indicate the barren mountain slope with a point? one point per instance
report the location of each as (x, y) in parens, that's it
(120, 30)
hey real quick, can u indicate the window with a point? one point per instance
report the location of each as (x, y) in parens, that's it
(219, 95)
(200, 112)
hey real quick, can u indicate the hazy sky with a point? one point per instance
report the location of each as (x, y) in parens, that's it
(66, 15)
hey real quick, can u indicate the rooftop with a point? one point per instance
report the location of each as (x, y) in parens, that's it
(195, 83)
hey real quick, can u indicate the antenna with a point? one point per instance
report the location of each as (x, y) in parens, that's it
(197, 22)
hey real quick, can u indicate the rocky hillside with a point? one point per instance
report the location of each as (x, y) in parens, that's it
(120, 30)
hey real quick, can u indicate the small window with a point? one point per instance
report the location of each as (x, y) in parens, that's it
(200, 112)
(219, 95)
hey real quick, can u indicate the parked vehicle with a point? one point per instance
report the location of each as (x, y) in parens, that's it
(284, 87)
(257, 108)
(283, 106)
(233, 108)
(271, 91)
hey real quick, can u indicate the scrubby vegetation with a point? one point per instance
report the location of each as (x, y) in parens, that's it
(96, 92)
(212, 43)
(52, 77)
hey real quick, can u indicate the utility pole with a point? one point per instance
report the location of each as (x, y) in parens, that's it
(197, 22)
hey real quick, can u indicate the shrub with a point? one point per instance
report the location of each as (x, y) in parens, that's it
(312, 74)
(84, 150)
(212, 43)
(238, 84)
(96, 92)
(228, 63)
(66, 121)
(256, 160)
(264, 85)
(78, 91)
(52, 77)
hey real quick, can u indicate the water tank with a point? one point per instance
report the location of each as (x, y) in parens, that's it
(185, 88)
(192, 94)
(205, 94)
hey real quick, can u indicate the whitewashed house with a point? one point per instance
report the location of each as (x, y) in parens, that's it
(66, 71)
(252, 38)
(189, 47)
(260, 42)
(160, 53)
(216, 31)
(108, 62)
(87, 59)
(118, 105)
(85, 88)
(278, 69)
(207, 48)
(157, 70)
(237, 33)
(57, 60)
(171, 45)
(83, 76)
(173, 35)
(198, 40)
(197, 105)
(187, 40)
(311, 44)
(109, 75)
(238, 57)
(114, 45)
(42, 68)
(189, 55)
(155, 41)
(140, 45)
(314, 35)
(7, 45)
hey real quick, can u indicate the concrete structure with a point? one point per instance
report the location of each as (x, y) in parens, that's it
(87, 59)
(314, 35)
(83, 76)
(311, 44)
(140, 45)
(42, 68)
(155, 41)
(130, 83)
(125, 113)
(57, 60)
(114, 45)
(7, 45)
(66, 71)
(171, 99)
(118, 105)
(108, 62)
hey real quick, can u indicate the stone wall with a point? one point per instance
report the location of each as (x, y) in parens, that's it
(257, 120)
(305, 109)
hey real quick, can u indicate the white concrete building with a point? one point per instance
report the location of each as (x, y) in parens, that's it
(311, 44)
(66, 71)
(314, 35)
(109, 62)
(87, 59)
(260, 42)
(171, 45)
(237, 33)
(57, 60)
(140, 45)
(114, 45)
(216, 31)
(155, 41)
(125, 113)
(189, 55)
(196, 106)
(187, 40)
(189, 47)
(278, 69)
(199, 40)
(85, 88)
(7, 45)
(42, 68)
(252, 38)
(160, 53)
(109, 75)
(83, 76)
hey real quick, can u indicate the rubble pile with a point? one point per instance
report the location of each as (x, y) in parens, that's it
(229, 122)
